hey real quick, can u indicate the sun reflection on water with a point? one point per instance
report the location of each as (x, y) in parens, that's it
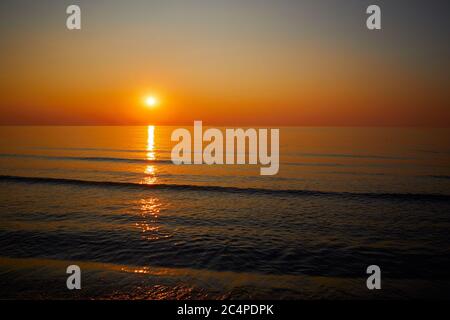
(151, 143)
(148, 270)
(149, 210)
(150, 170)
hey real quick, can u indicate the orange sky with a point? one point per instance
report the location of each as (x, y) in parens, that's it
(258, 63)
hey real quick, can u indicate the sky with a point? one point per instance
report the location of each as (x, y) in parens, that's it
(225, 62)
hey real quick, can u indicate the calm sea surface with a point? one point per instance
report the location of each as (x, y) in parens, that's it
(109, 200)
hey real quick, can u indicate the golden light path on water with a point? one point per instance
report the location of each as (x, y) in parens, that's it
(149, 208)
(150, 170)
(151, 142)
(149, 211)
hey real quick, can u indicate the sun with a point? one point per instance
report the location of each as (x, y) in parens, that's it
(151, 101)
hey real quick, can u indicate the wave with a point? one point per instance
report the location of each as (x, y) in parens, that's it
(356, 156)
(445, 152)
(100, 159)
(440, 177)
(167, 161)
(102, 150)
(252, 191)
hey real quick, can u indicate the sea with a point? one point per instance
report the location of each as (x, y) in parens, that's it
(109, 200)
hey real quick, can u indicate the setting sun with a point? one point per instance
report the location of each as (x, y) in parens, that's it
(151, 101)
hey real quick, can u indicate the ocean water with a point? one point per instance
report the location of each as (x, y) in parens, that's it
(110, 200)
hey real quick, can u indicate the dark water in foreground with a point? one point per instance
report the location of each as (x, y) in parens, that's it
(109, 200)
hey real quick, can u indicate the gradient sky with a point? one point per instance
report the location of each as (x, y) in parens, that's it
(226, 62)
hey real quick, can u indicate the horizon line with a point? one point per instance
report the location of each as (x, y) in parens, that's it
(232, 125)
